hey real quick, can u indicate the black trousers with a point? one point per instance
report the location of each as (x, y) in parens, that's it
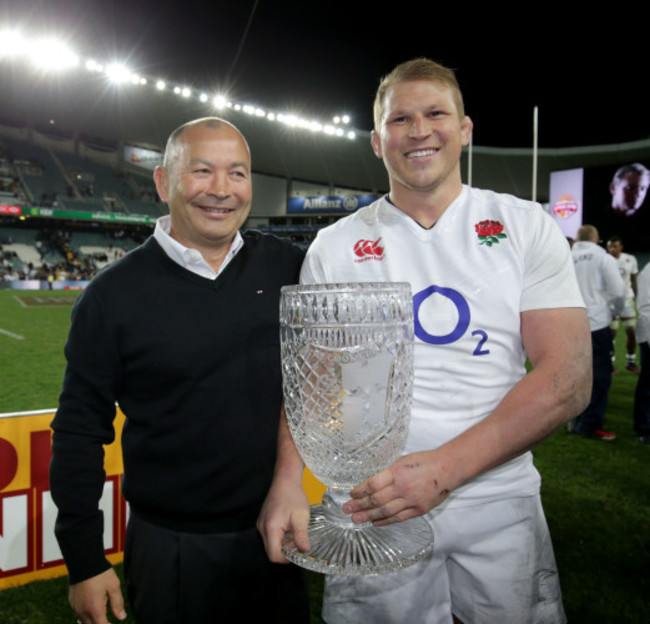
(192, 578)
(593, 417)
(642, 394)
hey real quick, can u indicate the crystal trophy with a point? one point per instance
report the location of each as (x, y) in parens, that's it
(347, 371)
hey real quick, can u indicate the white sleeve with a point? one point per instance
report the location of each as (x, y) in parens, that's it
(313, 268)
(549, 273)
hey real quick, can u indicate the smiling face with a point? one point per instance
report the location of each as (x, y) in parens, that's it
(420, 138)
(206, 183)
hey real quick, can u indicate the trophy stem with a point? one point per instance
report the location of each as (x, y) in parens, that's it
(340, 546)
(332, 504)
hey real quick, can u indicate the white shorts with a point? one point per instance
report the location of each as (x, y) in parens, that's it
(628, 312)
(492, 563)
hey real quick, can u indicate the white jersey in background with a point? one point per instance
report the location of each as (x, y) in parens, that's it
(600, 284)
(627, 266)
(489, 258)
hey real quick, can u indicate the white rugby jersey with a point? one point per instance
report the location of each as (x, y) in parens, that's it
(627, 265)
(487, 259)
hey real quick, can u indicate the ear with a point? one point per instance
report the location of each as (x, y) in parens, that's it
(466, 127)
(375, 141)
(161, 179)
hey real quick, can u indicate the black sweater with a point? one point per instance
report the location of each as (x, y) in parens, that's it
(194, 365)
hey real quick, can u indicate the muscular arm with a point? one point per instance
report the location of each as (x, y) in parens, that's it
(558, 345)
(286, 507)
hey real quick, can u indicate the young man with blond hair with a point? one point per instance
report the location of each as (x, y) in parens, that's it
(493, 283)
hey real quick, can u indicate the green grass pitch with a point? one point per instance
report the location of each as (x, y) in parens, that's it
(596, 494)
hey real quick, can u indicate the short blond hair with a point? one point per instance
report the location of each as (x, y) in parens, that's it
(417, 69)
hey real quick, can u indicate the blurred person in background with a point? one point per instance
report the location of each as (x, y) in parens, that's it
(603, 290)
(628, 188)
(642, 392)
(629, 269)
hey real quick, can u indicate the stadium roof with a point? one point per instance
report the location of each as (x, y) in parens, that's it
(326, 61)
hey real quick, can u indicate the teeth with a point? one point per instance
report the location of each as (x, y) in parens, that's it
(421, 153)
(216, 210)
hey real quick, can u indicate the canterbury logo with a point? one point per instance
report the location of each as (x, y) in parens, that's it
(368, 250)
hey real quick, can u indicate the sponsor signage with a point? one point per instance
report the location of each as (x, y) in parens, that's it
(328, 203)
(28, 548)
(141, 157)
(566, 200)
(57, 213)
(10, 210)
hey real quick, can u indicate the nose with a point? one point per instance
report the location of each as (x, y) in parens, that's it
(220, 185)
(419, 128)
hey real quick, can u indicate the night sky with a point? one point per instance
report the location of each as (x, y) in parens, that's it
(586, 73)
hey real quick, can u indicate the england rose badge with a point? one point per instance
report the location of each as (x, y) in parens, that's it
(489, 232)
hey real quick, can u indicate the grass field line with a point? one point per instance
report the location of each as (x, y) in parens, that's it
(11, 334)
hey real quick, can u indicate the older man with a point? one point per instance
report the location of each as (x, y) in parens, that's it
(183, 334)
(493, 281)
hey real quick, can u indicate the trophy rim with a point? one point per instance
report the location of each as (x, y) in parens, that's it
(346, 287)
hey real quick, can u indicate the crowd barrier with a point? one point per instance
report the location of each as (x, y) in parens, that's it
(28, 548)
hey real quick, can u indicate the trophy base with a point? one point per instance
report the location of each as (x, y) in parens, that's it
(360, 550)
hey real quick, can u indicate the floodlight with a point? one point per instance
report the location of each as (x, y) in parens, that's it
(52, 54)
(117, 73)
(92, 65)
(12, 43)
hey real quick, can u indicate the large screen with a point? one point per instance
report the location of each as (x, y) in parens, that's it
(613, 198)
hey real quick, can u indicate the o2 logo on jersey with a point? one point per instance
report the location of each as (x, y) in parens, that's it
(464, 317)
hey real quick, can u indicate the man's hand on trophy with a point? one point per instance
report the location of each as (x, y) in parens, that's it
(286, 508)
(413, 485)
